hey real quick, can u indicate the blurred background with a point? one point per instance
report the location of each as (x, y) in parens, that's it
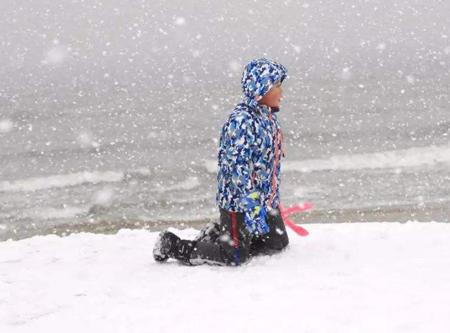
(110, 111)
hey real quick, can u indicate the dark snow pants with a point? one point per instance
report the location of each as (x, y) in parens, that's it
(228, 241)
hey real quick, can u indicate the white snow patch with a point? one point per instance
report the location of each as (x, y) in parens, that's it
(359, 277)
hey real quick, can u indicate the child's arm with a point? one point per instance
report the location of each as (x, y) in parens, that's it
(239, 139)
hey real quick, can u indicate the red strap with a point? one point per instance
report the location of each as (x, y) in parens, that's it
(235, 238)
(285, 212)
(295, 208)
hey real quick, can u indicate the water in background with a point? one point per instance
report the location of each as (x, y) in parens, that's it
(110, 112)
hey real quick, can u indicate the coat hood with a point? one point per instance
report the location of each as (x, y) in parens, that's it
(259, 76)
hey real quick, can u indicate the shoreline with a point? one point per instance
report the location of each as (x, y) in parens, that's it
(400, 214)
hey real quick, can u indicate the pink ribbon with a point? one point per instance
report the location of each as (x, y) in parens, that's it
(286, 212)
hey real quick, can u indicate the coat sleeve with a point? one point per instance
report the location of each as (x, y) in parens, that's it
(238, 142)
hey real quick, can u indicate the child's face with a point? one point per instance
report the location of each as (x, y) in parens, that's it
(273, 97)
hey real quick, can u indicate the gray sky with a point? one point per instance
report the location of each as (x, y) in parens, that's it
(209, 41)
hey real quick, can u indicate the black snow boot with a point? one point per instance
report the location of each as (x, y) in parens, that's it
(165, 246)
(170, 245)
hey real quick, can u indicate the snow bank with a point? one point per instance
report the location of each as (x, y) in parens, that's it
(380, 277)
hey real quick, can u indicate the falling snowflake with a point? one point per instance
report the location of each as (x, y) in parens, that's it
(103, 197)
(86, 139)
(55, 55)
(346, 74)
(234, 65)
(6, 125)
(381, 47)
(180, 21)
(410, 79)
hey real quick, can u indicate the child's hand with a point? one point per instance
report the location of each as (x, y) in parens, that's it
(255, 214)
(253, 206)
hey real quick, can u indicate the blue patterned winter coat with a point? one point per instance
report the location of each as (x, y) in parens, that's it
(250, 148)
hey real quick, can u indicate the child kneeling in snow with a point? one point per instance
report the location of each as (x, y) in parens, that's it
(248, 180)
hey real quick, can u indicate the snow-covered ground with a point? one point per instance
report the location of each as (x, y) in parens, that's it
(358, 277)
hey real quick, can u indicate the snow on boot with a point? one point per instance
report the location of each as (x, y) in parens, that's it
(183, 251)
(165, 246)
